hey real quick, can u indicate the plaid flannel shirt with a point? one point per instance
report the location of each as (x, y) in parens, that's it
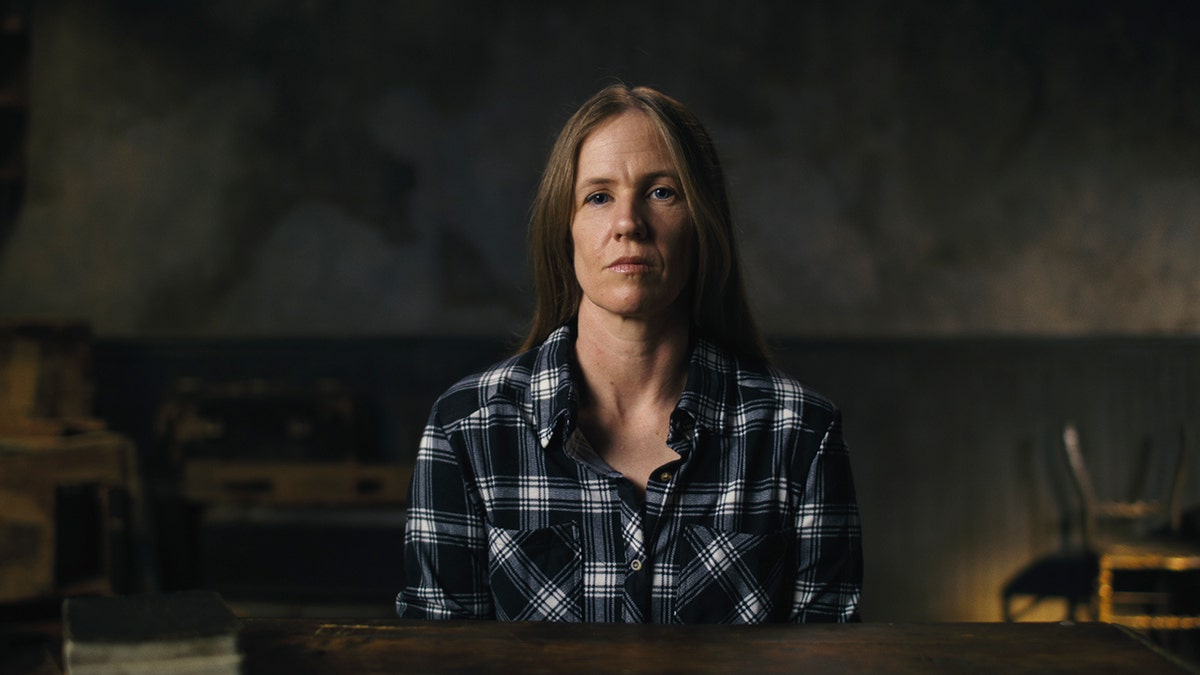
(512, 517)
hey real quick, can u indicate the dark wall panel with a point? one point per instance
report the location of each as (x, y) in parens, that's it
(956, 444)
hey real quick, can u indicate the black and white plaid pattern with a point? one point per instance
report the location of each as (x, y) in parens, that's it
(513, 517)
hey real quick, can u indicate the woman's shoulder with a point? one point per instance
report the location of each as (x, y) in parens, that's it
(756, 386)
(509, 378)
(763, 380)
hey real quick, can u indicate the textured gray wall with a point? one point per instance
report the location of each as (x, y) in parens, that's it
(268, 167)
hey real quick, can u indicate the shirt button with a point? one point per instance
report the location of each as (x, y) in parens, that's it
(665, 476)
(636, 565)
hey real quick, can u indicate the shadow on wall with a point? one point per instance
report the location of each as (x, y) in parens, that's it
(364, 169)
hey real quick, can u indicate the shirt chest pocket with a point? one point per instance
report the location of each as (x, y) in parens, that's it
(536, 575)
(732, 577)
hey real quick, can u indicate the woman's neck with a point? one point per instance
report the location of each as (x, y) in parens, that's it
(628, 365)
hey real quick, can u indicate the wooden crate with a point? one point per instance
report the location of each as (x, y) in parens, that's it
(256, 420)
(45, 370)
(46, 387)
(295, 483)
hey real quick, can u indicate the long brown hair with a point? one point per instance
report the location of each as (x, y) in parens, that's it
(719, 307)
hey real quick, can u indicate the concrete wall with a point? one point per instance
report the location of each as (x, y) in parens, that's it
(265, 167)
(220, 170)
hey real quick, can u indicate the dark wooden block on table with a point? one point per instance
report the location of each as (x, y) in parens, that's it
(186, 631)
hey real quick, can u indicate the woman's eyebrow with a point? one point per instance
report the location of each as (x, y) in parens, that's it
(593, 181)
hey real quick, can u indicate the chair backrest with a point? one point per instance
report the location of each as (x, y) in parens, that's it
(1095, 510)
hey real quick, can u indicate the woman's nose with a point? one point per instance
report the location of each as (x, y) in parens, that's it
(629, 221)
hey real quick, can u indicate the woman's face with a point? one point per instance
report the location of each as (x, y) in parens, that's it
(631, 231)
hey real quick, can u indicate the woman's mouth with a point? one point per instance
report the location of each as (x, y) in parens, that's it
(629, 265)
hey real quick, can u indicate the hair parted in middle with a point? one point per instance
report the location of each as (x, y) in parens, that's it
(719, 306)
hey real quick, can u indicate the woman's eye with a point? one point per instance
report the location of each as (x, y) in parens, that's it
(597, 199)
(662, 193)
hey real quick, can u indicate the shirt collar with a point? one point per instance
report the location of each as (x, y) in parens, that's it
(550, 388)
(711, 384)
(705, 403)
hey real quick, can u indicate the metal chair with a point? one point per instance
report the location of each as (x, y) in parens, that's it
(1114, 536)
(1138, 570)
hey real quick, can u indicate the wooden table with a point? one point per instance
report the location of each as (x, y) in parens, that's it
(394, 646)
(48, 482)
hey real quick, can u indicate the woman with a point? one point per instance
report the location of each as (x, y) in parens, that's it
(638, 460)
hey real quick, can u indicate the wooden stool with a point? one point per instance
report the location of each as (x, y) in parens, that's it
(1142, 609)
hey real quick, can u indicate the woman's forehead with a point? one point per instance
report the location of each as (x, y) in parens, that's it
(630, 137)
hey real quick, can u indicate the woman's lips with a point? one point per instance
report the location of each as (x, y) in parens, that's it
(629, 265)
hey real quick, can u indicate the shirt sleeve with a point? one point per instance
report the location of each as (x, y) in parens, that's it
(829, 578)
(445, 538)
